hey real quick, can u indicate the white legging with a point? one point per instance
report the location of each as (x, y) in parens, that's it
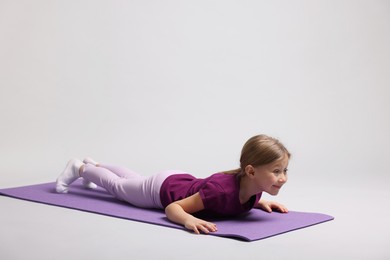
(127, 185)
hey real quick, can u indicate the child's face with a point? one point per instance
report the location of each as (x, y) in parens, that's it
(271, 177)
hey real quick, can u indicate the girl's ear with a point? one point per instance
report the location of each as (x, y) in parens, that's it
(249, 171)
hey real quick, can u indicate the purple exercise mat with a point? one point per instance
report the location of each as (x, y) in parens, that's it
(255, 225)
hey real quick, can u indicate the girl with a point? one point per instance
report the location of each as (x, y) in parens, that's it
(263, 168)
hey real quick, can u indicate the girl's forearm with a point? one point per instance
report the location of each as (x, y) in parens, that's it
(175, 213)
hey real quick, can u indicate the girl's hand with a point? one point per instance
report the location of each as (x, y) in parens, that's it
(199, 225)
(268, 206)
(181, 212)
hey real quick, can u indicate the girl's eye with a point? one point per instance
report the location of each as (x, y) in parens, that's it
(277, 171)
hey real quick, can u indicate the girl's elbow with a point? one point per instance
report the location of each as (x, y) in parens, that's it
(171, 208)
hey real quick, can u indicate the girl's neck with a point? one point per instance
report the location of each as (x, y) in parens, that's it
(246, 189)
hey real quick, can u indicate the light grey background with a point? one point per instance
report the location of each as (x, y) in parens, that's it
(156, 85)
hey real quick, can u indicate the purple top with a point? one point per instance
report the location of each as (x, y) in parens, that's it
(219, 192)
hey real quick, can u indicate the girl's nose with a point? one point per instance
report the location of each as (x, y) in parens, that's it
(283, 179)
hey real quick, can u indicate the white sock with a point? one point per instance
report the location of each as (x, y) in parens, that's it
(86, 183)
(69, 175)
(90, 160)
(89, 184)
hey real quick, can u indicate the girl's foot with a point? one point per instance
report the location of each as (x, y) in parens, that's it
(69, 175)
(89, 184)
(90, 161)
(86, 183)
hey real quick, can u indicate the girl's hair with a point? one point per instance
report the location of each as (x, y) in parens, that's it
(259, 150)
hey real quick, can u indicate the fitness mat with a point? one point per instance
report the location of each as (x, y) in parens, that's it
(254, 225)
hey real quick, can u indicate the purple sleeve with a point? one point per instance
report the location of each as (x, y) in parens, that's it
(213, 196)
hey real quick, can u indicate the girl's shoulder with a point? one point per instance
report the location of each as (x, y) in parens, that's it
(220, 176)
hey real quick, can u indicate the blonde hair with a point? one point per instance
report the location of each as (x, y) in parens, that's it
(259, 150)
